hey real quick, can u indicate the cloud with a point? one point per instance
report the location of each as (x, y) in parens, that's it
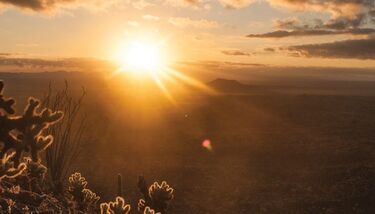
(140, 4)
(269, 49)
(36, 5)
(355, 49)
(183, 3)
(313, 32)
(344, 13)
(133, 23)
(53, 5)
(236, 4)
(348, 8)
(225, 65)
(292, 26)
(235, 53)
(18, 62)
(206, 4)
(288, 23)
(5, 54)
(150, 17)
(340, 23)
(196, 4)
(184, 22)
(27, 45)
(347, 17)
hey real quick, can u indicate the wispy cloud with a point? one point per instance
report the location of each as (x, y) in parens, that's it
(236, 4)
(151, 17)
(14, 61)
(184, 22)
(133, 23)
(235, 53)
(5, 54)
(196, 4)
(269, 49)
(140, 4)
(27, 45)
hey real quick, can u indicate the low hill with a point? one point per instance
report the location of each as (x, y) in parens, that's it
(229, 86)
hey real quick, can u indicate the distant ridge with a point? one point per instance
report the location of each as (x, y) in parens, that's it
(229, 86)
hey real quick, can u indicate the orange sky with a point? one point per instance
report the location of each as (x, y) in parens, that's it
(271, 32)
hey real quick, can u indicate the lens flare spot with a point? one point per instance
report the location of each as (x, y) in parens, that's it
(207, 144)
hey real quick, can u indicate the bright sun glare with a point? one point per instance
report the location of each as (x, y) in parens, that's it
(140, 57)
(147, 59)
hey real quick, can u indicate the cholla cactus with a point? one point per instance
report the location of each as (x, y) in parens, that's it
(6, 104)
(22, 137)
(117, 207)
(22, 185)
(77, 183)
(35, 169)
(157, 196)
(104, 208)
(7, 170)
(83, 198)
(89, 197)
(32, 179)
(24, 133)
(148, 210)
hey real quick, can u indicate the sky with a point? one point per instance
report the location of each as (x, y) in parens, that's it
(328, 33)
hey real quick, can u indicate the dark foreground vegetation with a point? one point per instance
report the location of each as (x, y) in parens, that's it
(25, 186)
(294, 150)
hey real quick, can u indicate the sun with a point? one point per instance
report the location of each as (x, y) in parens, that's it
(140, 57)
(150, 61)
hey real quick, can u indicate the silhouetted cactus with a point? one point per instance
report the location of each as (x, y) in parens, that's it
(6, 104)
(104, 208)
(32, 179)
(22, 176)
(21, 180)
(29, 128)
(90, 198)
(83, 198)
(20, 134)
(157, 196)
(117, 207)
(7, 169)
(119, 185)
(148, 210)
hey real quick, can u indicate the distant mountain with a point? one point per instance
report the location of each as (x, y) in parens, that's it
(229, 86)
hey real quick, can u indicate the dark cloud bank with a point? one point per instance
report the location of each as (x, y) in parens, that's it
(359, 49)
(312, 32)
(36, 5)
(350, 17)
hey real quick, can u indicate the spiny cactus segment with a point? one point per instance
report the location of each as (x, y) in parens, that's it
(148, 210)
(6, 104)
(89, 197)
(117, 207)
(84, 199)
(7, 169)
(157, 196)
(77, 183)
